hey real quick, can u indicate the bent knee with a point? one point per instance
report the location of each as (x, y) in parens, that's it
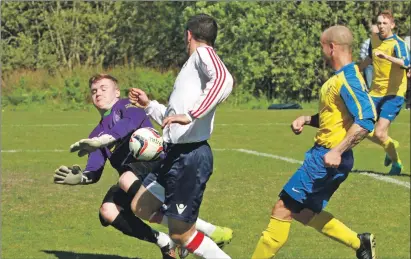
(280, 211)
(108, 213)
(126, 180)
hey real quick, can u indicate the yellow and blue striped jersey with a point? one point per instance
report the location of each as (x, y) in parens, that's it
(343, 101)
(388, 78)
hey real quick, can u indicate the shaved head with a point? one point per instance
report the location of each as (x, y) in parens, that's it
(339, 35)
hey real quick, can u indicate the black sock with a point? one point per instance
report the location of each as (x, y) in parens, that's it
(132, 226)
(132, 191)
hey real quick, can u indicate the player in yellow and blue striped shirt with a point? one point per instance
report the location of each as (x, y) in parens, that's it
(390, 57)
(346, 116)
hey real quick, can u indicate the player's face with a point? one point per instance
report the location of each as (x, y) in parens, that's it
(385, 26)
(326, 50)
(104, 94)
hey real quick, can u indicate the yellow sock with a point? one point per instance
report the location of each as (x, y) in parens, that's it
(325, 223)
(390, 147)
(272, 239)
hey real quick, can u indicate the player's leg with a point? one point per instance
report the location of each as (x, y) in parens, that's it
(325, 223)
(150, 197)
(185, 177)
(276, 234)
(390, 107)
(326, 181)
(147, 199)
(115, 211)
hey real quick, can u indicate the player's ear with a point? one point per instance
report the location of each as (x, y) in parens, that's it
(392, 25)
(118, 93)
(332, 47)
(189, 35)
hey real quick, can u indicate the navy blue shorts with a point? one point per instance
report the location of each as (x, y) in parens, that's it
(388, 107)
(184, 173)
(313, 184)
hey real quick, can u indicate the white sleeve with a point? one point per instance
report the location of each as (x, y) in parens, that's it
(156, 111)
(218, 87)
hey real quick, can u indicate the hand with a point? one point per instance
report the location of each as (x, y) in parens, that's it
(138, 97)
(332, 159)
(380, 54)
(67, 175)
(409, 73)
(182, 119)
(298, 125)
(86, 146)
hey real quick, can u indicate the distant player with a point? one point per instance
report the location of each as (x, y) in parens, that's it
(346, 116)
(390, 57)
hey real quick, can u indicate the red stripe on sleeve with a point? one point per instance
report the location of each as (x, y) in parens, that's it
(216, 90)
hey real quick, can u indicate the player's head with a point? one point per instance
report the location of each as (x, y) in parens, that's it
(200, 28)
(385, 23)
(104, 91)
(336, 41)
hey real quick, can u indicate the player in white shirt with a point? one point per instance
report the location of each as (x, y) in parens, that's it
(187, 124)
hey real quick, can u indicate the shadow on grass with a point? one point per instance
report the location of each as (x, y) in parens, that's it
(378, 173)
(74, 255)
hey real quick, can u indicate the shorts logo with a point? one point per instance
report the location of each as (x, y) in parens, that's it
(181, 208)
(295, 190)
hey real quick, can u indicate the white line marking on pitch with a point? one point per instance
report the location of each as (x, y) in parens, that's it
(32, 151)
(294, 161)
(252, 152)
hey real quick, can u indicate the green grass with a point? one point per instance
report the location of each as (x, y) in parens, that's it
(44, 220)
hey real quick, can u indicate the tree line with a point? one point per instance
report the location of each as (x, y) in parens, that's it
(272, 48)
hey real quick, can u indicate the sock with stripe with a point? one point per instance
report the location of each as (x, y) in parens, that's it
(202, 246)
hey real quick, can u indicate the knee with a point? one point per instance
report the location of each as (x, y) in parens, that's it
(126, 180)
(380, 134)
(108, 212)
(280, 211)
(183, 236)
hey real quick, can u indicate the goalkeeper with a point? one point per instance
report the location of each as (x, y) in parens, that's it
(109, 140)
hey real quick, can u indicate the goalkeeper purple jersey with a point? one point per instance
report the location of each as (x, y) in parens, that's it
(120, 122)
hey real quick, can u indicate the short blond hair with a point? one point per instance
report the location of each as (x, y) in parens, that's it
(387, 14)
(339, 35)
(98, 77)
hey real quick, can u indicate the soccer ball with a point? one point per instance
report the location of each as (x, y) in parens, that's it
(146, 144)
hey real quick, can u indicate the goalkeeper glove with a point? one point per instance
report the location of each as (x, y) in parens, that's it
(69, 175)
(86, 146)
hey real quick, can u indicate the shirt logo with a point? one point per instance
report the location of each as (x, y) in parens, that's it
(181, 208)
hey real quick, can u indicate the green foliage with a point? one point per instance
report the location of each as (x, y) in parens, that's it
(272, 48)
(70, 90)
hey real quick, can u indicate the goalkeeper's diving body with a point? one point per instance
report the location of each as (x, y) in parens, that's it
(109, 140)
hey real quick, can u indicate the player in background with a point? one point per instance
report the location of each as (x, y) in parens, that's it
(390, 58)
(346, 116)
(187, 122)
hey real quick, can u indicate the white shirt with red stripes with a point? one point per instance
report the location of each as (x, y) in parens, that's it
(201, 85)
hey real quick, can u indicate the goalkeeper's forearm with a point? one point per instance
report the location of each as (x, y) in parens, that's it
(312, 121)
(90, 177)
